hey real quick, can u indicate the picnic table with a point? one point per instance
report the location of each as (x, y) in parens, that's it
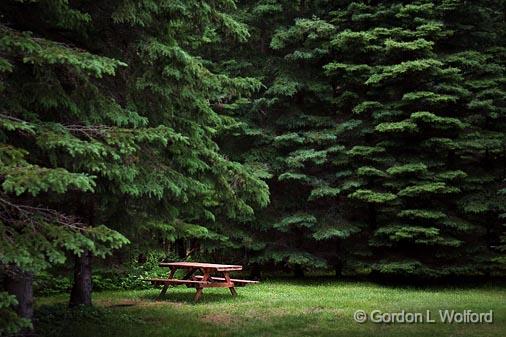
(207, 279)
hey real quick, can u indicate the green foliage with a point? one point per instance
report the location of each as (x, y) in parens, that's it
(332, 232)
(10, 322)
(436, 121)
(372, 197)
(428, 188)
(324, 192)
(404, 126)
(417, 234)
(368, 171)
(299, 220)
(412, 168)
(109, 118)
(364, 151)
(45, 284)
(421, 214)
(417, 93)
(131, 275)
(42, 52)
(34, 180)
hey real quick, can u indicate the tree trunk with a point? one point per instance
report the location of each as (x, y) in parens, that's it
(81, 290)
(19, 284)
(298, 271)
(82, 287)
(338, 265)
(255, 272)
(181, 248)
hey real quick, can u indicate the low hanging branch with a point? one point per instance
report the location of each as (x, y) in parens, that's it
(20, 214)
(90, 131)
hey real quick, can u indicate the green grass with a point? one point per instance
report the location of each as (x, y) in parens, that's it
(272, 308)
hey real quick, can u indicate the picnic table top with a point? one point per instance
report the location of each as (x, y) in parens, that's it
(214, 266)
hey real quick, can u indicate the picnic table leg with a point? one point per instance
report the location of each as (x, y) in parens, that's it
(166, 286)
(162, 293)
(232, 291)
(198, 294)
(205, 277)
(227, 279)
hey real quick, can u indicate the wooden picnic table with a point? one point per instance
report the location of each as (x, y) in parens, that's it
(207, 279)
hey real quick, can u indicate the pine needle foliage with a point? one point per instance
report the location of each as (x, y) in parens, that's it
(385, 121)
(108, 122)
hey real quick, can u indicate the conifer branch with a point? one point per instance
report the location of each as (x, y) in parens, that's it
(21, 214)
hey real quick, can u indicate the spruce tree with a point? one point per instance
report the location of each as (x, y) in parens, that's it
(382, 124)
(288, 131)
(107, 122)
(425, 81)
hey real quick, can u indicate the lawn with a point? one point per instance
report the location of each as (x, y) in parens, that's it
(314, 307)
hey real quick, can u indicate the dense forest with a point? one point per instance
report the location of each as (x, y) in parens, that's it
(366, 138)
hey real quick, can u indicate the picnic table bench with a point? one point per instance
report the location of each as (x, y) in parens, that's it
(199, 282)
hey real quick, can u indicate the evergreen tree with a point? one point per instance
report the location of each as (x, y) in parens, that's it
(383, 126)
(292, 131)
(203, 188)
(426, 83)
(51, 150)
(107, 122)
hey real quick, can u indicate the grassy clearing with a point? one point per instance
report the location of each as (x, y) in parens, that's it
(273, 308)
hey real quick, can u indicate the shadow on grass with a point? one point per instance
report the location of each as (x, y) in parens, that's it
(410, 284)
(59, 321)
(187, 296)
